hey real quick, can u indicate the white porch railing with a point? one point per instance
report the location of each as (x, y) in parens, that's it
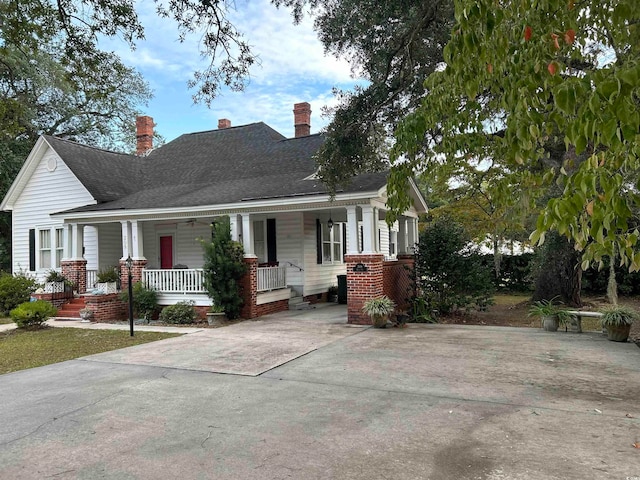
(271, 278)
(92, 278)
(188, 280)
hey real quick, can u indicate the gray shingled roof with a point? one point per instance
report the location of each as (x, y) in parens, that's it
(225, 166)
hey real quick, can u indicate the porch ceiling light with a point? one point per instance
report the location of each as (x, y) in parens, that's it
(330, 223)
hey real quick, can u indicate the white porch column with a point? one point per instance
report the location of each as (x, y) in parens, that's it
(412, 233)
(369, 226)
(352, 230)
(137, 250)
(247, 235)
(126, 239)
(66, 241)
(77, 241)
(376, 228)
(235, 230)
(402, 235)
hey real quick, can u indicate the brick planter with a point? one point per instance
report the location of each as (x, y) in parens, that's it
(107, 308)
(362, 286)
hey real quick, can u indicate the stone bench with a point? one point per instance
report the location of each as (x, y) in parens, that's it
(576, 318)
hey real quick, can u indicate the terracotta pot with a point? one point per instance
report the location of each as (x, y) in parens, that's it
(618, 333)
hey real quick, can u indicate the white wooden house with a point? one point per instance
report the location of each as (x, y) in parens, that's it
(80, 209)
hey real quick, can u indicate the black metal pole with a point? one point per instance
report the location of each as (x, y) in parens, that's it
(130, 304)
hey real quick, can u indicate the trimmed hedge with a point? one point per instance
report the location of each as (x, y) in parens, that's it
(33, 314)
(180, 313)
(15, 290)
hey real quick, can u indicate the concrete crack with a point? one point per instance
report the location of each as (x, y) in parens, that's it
(35, 430)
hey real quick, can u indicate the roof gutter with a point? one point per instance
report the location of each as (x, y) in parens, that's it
(279, 204)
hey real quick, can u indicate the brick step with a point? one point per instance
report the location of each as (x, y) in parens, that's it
(76, 301)
(71, 309)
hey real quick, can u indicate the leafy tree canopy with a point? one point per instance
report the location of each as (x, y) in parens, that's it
(551, 91)
(394, 45)
(78, 24)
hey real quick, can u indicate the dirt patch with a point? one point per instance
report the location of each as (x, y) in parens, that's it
(512, 311)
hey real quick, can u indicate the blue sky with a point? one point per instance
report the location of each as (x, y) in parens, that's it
(293, 68)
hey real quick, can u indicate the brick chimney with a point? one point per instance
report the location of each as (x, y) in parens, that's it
(224, 123)
(144, 134)
(302, 119)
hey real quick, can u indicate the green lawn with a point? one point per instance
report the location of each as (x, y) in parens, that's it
(4, 321)
(20, 349)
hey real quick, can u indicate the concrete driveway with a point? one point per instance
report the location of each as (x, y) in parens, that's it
(305, 396)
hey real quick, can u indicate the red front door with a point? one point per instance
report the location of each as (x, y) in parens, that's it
(166, 252)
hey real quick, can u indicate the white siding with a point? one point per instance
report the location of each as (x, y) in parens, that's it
(289, 232)
(186, 244)
(289, 247)
(318, 278)
(383, 228)
(45, 192)
(91, 247)
(109, 245)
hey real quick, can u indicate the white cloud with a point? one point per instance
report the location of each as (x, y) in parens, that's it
(293, 68)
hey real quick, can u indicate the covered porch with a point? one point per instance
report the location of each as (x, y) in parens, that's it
(297, 251)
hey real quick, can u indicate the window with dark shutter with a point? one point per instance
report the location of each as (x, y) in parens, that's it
(272, 255)
(32, 250)
(318, 242)
(344, 242)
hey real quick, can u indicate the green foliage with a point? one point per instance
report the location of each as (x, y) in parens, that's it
(216, 309)
(447, 273)
(74, 27)
(145, 301)
(421, 311)
(594, 281)
(550, 92)
(179, 313)
(107, 275)
(223, 268)
(379, 306)
(32, 314)
(618, 315)
(15, 290)
(556, 268)
(515, 272)
(55, 276)
(543, 308)
(12, 153)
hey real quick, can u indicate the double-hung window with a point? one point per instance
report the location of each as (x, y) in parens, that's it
(45, 249)
(332, 239)
(59, 246)
(50, 248)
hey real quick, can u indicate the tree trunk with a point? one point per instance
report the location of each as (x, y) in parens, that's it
(559, 271)
(497, 256)
(612, 285)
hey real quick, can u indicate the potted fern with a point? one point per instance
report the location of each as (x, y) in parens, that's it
(107, 280)
(379, 309)
(551, 316)
(54, 283)
(617, 321)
